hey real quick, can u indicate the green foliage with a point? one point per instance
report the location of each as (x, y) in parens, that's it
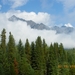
(28, 51)
(12, 55)
(36, 58)
(20, 48)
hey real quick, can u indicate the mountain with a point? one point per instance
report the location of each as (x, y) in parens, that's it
(31, 23)
(63, 29)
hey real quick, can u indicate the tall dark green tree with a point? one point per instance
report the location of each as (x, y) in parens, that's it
(49, 61)
(28, 51)
(21, 54)
(3, 40)
(33, 56)
(24, 65)
(45, 51)
(13, 65)
(39, 56)
(3, 54)
(62, 61)
(20, 48)
(52, 66)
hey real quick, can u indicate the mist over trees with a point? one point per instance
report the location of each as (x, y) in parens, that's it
(35, 58)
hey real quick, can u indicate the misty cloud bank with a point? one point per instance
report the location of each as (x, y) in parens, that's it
(20, 30)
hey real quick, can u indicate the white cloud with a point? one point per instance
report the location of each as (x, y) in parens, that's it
(40, 17)
(68, 11)
(68, 4)
(21, 30)
(15, 3)
(0, 7)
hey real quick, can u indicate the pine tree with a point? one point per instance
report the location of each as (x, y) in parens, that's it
(45, 51)
(24, 66)
(28, 51)
(56, 48)
(39, 56)
(13, 65)
(20, 48)
(3, 54)
(3, 40)
(63, 61)
(33, 56)
(52, 65)
(49, 61)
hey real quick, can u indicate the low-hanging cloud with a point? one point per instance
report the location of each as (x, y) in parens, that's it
(40, 17)
(20, 30)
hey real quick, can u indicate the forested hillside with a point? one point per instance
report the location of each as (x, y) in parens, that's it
(35, 58)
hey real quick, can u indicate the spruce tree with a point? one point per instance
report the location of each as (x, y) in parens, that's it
(45, 51)
(33, 56)
(28, 51)
(3, 54)
(39, 56)
(56, 48)
(52, 63)
(20, 48)
(24, 65)
(13, 65)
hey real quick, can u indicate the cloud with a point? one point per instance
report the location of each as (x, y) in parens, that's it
(0, 7)
(68, 4)
(68, 11)
(40, 17)
(46, 4)
(20, 30)
(15, 3)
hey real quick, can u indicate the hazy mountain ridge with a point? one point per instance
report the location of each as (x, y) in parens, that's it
(31, 23)
(63, 29)
(41, 26)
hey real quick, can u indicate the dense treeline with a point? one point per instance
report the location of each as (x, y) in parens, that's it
(36, 58)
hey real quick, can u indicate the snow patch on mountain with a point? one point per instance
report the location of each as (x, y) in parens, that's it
(68, 25)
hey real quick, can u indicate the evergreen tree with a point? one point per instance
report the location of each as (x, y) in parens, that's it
(45, 51)
(56, 48)
(13, 65)
(49, 61)
(28, 51)
(3, 54)
(63, 61)
(20, 48)
(24, 66)
(3, 40)
(52, 65)
(39, 56)
(33, 56)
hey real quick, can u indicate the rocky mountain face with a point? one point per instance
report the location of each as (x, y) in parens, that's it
(63, 29)
(31, 23)
(41, 26)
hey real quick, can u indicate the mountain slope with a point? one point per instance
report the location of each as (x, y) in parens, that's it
(31, 23)
(41, 26)
(63, 29)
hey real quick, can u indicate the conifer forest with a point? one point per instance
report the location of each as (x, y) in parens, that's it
(35, 58)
